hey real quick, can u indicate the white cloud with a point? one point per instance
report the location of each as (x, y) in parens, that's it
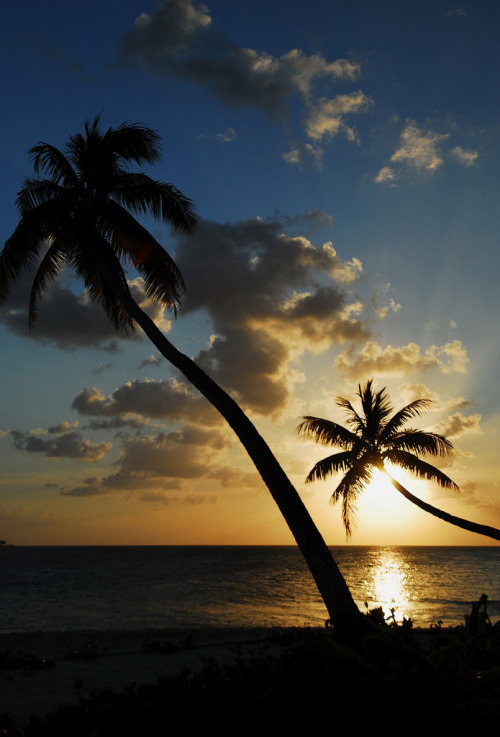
(327, 117)
(419, 149)
(386, 176)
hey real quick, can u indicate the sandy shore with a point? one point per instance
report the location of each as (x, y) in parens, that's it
(121, 659)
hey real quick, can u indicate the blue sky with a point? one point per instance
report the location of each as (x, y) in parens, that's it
(343, 158)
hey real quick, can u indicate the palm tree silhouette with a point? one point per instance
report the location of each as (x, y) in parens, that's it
(377, 439)
(82, 214)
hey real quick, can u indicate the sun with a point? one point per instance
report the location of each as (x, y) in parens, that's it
(380, 500)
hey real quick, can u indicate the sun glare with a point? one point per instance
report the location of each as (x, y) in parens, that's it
(381, 502)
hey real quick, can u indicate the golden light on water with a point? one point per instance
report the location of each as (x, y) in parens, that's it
(388, 587)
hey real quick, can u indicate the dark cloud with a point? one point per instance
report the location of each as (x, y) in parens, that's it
(458, 424)
(68, 445)
(69, 320)
(154, 464)
(66, 320)
(101, 368)
(270, 296)
(152, 360)
(167, 399)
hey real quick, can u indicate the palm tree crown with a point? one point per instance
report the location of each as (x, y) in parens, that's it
(372, 439)
(79, 214)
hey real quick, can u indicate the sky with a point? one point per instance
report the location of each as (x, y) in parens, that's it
(344, 163)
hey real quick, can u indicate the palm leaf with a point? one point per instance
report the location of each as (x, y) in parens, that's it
(420, 442)
(330, 465)
(421, 469)
(353, 419)
(349, 489)
(142, 195)
(327, 432)
(51, 161)
(47, 271)
(133, 142)
(414, 409)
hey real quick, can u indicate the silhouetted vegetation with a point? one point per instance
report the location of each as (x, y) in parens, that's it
(386, 677)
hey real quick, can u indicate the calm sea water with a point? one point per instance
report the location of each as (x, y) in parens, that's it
(71, 588)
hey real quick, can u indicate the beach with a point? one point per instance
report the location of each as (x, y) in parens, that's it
(114, 659)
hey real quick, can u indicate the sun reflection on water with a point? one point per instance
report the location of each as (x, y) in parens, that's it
(389, 584)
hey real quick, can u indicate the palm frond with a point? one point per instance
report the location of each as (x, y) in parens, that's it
(47, 271)
(330, 465)
(134, 142)
(421, 469)
(327, 432)
(86, 262)
(414, 409)
(142, 195)
(421, 443)
(348, 491)
(52, 162)
(376, 408)
(36, 192)
(353, 419)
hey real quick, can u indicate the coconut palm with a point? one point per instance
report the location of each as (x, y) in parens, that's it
(81, 215)
(376, 440)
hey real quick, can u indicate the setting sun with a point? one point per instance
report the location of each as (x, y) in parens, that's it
(381, 502)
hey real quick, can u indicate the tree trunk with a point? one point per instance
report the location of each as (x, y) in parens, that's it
(338, 600)
(458, 521)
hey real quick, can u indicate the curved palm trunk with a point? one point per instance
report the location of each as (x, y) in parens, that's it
(458, 521)
(341, 608)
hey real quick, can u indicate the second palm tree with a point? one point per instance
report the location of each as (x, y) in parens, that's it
(375, 440)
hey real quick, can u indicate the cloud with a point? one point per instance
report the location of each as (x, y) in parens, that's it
(101, 368)
(396, 360)
(227, 137)
(270, 296)
(464, 156)
(152, 360)
(180, 39)
(411, 392)
(157, 463)
(421, 150)
(301, 153)
(65, 445)
(327, 117)
(458, 425)
(70, 321)
(66, 320)
(386, 176)
(166, 400)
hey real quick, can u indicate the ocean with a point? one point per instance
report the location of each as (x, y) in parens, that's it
(73, 588)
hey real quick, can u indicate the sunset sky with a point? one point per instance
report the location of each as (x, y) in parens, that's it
(344, 161)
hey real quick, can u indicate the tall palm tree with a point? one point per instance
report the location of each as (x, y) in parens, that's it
(81, 214)
(375, 440)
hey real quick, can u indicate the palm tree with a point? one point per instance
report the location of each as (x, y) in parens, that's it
(377, 441)
(82, 215)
